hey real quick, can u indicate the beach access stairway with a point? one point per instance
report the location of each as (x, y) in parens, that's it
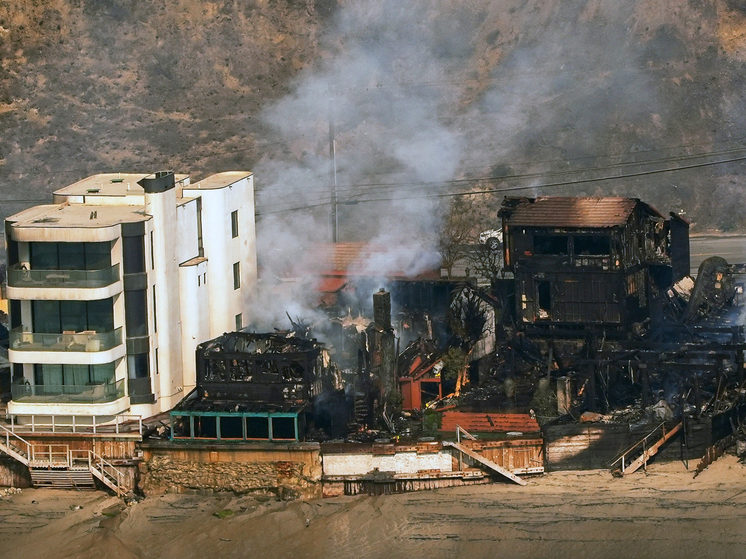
(59, 466)
(483, 461)
(637, 455)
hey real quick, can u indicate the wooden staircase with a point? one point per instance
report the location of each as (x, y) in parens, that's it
(485, 462)
(638, 455)
(62, 479)
(58, 466)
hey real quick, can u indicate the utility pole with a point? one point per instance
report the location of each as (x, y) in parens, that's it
(333, 167)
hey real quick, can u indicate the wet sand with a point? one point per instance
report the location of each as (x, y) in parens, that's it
(664, 513)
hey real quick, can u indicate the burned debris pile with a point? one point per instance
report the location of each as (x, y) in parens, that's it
(254, 387)
(592, 324)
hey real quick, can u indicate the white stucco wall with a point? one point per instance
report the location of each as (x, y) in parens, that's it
(194, 308)
(401, 462)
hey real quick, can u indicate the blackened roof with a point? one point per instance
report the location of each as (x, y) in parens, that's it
(561, 211)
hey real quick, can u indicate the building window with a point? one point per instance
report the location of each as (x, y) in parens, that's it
(155, 319)
(70, 256)
(200, 247)
(591, 245)
(133, 253)
(199, 280)
(239, 321)
(234, 224)
(152, 252)
(81, 376)
(136, 313)
(138, 366)
(553, 245)
(236, 275)
(50, 317)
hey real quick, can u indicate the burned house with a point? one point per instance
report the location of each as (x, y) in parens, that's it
(600, 301)
(252, 387)
(589, 263)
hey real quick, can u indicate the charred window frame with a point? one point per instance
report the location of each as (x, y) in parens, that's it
(551, 245)
(591, 245)
(544, 298)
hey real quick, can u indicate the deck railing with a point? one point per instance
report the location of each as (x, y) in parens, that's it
(68, 393)
(86, 341)
(18, 277)
(120, 424)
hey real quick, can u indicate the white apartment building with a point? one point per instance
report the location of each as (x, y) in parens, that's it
(113, 285)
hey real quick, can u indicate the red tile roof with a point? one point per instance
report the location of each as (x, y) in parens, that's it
(558, 211)
(488, 422)
(363, 259)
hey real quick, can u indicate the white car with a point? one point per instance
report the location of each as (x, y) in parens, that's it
(493, 238)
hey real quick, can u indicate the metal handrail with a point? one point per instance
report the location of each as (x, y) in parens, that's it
(83, 424)
(643, 441)
(47, 453)
(8, 433)
(98, 464)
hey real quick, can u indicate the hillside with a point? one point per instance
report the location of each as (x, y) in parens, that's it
(494, 94)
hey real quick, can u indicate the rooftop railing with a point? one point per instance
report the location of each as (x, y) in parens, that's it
(19, 277)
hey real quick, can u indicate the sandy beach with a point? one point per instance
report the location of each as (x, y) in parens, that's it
(663, 513)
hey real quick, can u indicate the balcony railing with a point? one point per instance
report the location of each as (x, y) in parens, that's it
(17, 277)
(68, 341)
(68, 393)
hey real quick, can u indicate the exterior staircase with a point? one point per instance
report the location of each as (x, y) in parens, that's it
(55, 465)
(637, 455)
(62, 479)
(485, 462)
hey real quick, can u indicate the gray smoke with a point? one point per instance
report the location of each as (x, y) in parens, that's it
(390, 130)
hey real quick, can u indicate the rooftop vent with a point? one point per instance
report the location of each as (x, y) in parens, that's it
(117, 180)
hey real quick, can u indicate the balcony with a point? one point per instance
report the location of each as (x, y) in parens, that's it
(68, 393)
(71, 348)
(18, 277)
(68, 341)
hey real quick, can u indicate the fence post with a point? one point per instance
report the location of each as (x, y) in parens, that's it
(94, 424)
(33, 423)
(52, 423)
(73, 423)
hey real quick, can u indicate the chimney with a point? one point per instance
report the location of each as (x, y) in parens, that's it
(382, 309)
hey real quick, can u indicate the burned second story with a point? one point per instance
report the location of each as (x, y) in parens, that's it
(260, 368)
(589, 262)
(606, 233)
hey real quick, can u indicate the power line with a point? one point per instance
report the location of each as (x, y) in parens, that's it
(356, 191)
(517, 188)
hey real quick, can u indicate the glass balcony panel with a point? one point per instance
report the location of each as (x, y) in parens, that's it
(140, 391)
(67, 341)
(18, 277)
(68, 393)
